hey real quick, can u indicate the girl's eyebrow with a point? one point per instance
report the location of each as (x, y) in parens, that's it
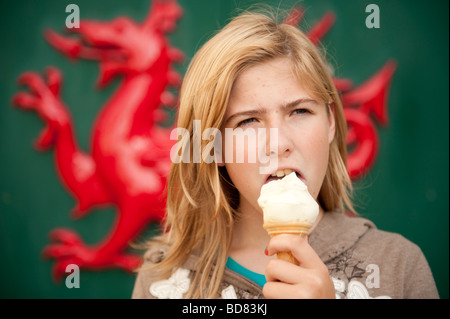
(261, 111)
(299, 102)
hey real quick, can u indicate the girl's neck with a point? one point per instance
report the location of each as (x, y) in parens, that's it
(249, 239)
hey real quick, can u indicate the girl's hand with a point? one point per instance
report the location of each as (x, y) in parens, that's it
(308, 280)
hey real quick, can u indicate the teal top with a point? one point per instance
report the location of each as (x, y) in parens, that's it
(251, 275)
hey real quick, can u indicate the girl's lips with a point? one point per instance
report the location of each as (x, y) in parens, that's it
(274, 178)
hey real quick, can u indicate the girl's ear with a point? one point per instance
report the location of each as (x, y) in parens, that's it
(331, 122)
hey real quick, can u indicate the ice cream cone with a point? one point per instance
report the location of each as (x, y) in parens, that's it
(294, 228)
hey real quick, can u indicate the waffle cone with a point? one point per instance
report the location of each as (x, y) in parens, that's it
(294, 228)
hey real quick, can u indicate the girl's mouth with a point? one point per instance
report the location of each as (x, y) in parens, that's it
(280, 173)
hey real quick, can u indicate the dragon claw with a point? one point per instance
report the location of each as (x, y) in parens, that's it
(56, 251)
(67, 248)
(25, 100)
(66, 236)
(42, 97)
(54, 79)
(34, 81)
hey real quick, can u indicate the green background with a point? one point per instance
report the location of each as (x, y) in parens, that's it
(405, 192)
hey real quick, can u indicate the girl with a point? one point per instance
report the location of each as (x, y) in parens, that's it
(257, 74)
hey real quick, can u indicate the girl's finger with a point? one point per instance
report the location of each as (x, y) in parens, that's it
(280, 270)
(280, 290)
(298, 246)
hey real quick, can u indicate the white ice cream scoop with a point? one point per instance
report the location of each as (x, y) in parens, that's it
(288, 209)
(287, 200)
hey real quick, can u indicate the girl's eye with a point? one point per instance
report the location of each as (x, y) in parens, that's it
(246, 121)
(301, 111)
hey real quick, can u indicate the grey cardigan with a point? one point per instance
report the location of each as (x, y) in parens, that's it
(363, 262)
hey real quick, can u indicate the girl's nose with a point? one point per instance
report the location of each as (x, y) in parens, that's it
(282, 145)
(285, 143)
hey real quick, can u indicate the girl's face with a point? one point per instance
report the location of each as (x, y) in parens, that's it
(268, 95)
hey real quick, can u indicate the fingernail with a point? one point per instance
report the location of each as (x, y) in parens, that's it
(266, 252)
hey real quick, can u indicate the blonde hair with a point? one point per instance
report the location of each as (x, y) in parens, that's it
(202, 201)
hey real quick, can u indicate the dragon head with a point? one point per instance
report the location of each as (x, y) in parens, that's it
(121, 46)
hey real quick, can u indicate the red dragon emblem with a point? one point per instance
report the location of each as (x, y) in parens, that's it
(129, 161)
